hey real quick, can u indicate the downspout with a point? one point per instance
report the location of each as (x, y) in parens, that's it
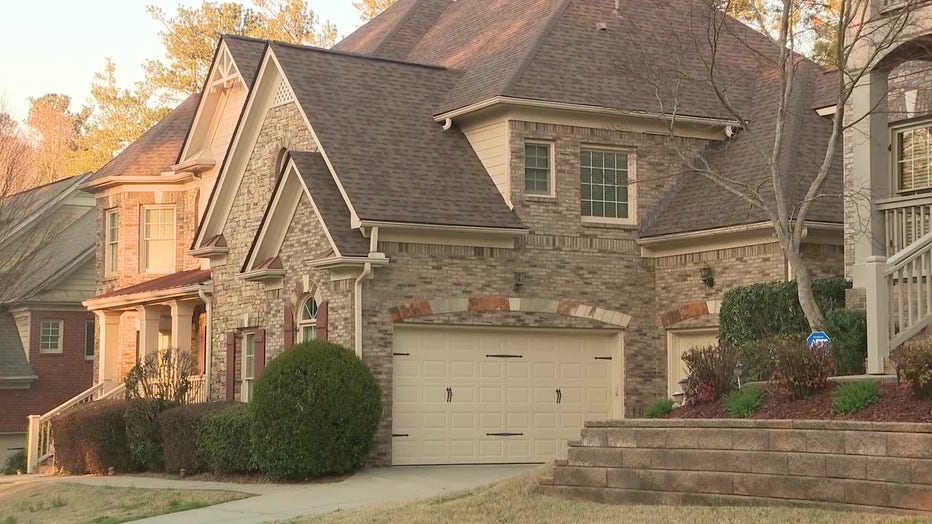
(208, 340)
(357, 290)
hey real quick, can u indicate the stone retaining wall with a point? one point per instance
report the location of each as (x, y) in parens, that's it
(828, 464)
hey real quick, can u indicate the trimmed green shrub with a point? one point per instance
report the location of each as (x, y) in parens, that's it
(316, 409)
(854, 396)
(913, 362)
(15, 463)
(659, 409)
(225, 441)
(711, 372)
(848, 330)
(742, 403)
(179, 427)
(800, 371)
(759, 311)
(757, 357)
(91, 438)
(143, 432)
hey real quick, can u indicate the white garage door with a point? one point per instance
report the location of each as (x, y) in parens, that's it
(677, 344)
(469, 396)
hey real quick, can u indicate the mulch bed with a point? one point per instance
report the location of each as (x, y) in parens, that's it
(896, 404)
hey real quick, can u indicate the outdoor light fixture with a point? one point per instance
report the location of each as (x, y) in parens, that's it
(678, 398)
(707, 276)
(519, 280)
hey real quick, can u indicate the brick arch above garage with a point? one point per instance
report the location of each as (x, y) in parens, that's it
(491, 304)
(689, 311)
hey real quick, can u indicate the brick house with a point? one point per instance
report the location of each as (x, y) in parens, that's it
(46, 336)
(888, 186)
(510, 249)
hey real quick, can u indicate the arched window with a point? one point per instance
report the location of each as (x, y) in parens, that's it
(307, 320)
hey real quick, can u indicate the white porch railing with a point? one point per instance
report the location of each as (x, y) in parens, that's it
(899, 299)
(39, 444)
(906, 219)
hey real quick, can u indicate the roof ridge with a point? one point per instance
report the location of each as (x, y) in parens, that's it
(535, 48)
(299, 47)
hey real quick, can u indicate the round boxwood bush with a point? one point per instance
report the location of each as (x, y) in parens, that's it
(316, 408)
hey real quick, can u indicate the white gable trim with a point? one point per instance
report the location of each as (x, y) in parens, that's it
(241, 147)
(224, 75)
(279, 217)
(354, 217)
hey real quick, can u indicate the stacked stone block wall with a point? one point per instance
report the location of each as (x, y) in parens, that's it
(830, 464)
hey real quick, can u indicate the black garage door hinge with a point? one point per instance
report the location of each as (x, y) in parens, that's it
(603, 358)
(402, 354)
(400, 435)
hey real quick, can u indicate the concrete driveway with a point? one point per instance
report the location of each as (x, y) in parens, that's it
(282, 501)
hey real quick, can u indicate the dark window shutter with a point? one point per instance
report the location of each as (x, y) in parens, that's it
(259, 344)
(231, 366)
(321, 326)
(288, 323)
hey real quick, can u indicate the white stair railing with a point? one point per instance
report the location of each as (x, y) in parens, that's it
(899, 296)
(39, 432)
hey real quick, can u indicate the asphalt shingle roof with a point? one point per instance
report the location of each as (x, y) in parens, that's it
(373, 119)
(330, 203)
(247, 54)
(174, 280)
(158, 148)
(13, 361)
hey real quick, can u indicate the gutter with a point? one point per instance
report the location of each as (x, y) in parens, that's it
(357, 288)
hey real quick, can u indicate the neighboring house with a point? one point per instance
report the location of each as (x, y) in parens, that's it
(476, 199)
(888, 183)
(46, 336)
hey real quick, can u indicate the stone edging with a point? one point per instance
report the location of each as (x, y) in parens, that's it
(567, 308)
(842, 425)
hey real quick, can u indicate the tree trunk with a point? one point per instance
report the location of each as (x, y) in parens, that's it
(804, 285)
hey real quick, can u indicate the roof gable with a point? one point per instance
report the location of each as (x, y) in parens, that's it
(390, 159)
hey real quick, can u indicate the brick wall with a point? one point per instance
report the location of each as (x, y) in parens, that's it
(61, 375)
(809, 463)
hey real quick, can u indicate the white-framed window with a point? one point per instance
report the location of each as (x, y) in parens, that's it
(538, 169)
(111, 249)
(606, 190)
(307, 320)
(158, 239)
(249, 365)
(89, 340)
(50, 336)
(913, 149)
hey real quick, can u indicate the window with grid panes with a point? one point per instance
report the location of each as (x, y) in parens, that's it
(914, 158)
(50, 335)
(537, 169)
(158, 239)
(604, 184)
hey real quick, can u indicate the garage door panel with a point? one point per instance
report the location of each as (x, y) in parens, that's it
(492, 395)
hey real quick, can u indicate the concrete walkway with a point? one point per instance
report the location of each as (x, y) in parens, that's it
(283, 501)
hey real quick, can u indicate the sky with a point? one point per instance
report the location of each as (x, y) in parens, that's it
(56, 46)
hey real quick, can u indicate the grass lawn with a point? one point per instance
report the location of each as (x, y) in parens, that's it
(39, 502)
(517, 501)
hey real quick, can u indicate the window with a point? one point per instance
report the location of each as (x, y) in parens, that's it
(914, 158)
(158, 239)
(307, 322)
(111, 249)
(537, 169)
(605, 192)
(50, 332)
(249, 365)
(89, 340)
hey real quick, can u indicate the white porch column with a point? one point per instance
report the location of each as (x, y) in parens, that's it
(182, 318)
(878, 315)
(870, 177)
(108, 357)
(149, 318)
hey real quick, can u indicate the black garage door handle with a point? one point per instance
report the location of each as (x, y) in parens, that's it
(504, 434)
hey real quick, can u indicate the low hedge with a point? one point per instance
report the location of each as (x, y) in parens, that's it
(760, 311)
(225, 441)
(143, 432)
(92, 438)
(15, 464)
(913, 362)
(848, 330)
(179, 427)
